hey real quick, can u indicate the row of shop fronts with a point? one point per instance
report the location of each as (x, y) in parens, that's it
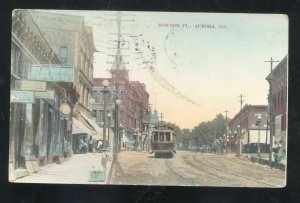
(46, 104)
(38, 131)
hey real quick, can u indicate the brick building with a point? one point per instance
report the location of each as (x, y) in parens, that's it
(244, 124)
(278, 79)
(133, 117)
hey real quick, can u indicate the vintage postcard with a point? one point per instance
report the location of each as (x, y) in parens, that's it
(148, 98)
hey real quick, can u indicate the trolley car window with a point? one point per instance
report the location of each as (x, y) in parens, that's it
(155, 136)
(168, 136)
(161, 136)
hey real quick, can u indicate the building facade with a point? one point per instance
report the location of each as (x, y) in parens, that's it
(35, 122)
(134, 113)
(278, 79)
(245, 125)
(73, 41)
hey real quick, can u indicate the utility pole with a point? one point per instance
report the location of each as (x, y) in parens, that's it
(149, 123)
(226, 130)
(118, 62)
(271, 120)
(240, 129)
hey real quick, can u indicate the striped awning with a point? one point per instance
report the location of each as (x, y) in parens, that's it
(79, 128)
(92, 125)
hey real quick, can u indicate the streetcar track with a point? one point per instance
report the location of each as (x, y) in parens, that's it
(225, 172)
(180, 175)
(187, 179)
(241, 176)
(149, 168)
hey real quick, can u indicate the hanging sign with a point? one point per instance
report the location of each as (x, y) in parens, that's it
(22, 96)
(51, 73)
(31, 85)
(44, 94)
(65, 110)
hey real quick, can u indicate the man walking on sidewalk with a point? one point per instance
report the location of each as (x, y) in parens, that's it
(276, 149)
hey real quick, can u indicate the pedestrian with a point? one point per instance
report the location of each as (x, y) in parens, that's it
(94, 145)
(99, 146)
(276, 148)
(91, 144)
(280, 152)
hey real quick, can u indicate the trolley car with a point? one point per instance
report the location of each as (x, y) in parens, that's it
(163, 141)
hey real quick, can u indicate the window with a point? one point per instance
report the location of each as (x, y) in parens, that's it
(282, 100)
(155, 136)
(168, 136)
(122, 95)
(64, 55)
(274, 102)
(161, 136)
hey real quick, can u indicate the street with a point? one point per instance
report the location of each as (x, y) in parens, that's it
(141, 168)
(191, 169)
(67, 103)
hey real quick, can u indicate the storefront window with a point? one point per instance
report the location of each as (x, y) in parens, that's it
(29, 138)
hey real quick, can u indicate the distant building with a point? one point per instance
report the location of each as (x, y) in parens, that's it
(154, 118)
(244, 124)
(134, 117)
(133, 109)
(278, 80)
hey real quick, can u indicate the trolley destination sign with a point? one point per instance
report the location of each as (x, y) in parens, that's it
(51, 73)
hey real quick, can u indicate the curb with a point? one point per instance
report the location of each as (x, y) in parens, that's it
(267, 162)
(110, 172)
(279, 166)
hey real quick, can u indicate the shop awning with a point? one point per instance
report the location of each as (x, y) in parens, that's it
(79, 128)
(92, 125)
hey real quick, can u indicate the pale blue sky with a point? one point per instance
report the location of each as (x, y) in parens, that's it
(210, 67)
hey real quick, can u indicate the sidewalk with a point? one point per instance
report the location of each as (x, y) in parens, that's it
(75, 170)
(264, 159)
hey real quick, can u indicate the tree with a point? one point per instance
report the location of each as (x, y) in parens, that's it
(183, 138)
(206, 132)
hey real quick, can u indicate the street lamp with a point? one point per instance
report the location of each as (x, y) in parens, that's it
(266, 128)
(239, 135)
(105, 84)
(229, 140)
(235, 135)
(108, 129)
(257, 123)
(116, 140)
(225, 143)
